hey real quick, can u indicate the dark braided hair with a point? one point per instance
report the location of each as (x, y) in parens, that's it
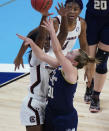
(79, 2)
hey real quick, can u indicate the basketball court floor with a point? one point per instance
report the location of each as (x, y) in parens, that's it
(11, 97)
(8, 73)
(13, 90)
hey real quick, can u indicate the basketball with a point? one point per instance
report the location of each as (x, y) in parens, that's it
(41, 5)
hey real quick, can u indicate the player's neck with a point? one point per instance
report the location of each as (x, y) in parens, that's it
(71, 25)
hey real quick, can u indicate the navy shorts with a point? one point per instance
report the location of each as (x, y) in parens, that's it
(67, 122)
(97, 29)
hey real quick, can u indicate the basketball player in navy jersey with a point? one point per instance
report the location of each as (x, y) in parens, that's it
(97, 19)
(60, 113)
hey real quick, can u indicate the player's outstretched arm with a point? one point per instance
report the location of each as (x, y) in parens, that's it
(39, 52)
(62, 11)
(19, 58)
(89, 70)
(40, 36)
(82, 37)
(66, 64)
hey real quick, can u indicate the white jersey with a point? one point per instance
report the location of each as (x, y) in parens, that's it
(71, 37)
(36, 89)
(33, 106)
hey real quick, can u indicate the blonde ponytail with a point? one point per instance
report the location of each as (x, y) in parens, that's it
(93, 60)
(83, 59)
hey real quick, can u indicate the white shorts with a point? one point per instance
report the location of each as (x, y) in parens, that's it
(32, 112)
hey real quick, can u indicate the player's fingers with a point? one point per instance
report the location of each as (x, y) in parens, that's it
(21, 37)
(44, 26)
(51, 20)
(62, 5)
(45, 23)
(15, 68)
(27, 43)
(50, 14)
(56, 9)
(59, 5)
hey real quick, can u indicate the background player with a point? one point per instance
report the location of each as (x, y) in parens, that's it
(76, 26)
(97, 18)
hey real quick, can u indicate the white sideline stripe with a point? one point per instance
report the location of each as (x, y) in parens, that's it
(14, 79)
(10, 68)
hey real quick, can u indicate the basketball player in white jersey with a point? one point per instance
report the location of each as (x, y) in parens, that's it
(75, 27)
(33, 106)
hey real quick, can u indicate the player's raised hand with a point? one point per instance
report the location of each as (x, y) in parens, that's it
(61, 9)
(48, 25)
(17, 62)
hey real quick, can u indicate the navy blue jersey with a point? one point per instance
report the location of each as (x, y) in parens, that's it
(98, 7)
(61, 93)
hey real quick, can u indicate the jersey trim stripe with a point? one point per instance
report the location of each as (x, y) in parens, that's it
(35, 111)
(38, 79)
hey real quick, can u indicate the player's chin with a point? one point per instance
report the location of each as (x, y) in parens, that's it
(70, 18)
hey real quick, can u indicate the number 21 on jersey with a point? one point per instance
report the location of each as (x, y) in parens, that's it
(100, 4)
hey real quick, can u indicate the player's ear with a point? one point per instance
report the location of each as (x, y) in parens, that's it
(79, 12)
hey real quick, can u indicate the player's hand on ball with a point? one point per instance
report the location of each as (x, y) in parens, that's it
(47, 13)
(41, 5)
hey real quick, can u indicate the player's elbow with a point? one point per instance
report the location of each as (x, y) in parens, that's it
(42, 57)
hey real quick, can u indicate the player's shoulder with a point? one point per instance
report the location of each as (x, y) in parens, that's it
(83, 22)
(35, 30)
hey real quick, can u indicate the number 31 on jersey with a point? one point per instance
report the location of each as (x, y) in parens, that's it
(100, 4)
(50, 92)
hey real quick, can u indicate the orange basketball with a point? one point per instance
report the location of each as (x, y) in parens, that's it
(41, 5)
